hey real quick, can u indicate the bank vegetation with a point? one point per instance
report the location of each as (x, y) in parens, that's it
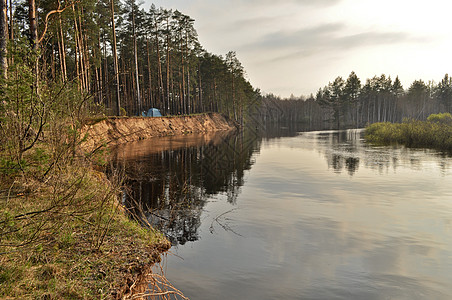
(435, 132)
(63, 232)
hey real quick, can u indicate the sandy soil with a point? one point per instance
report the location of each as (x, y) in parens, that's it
(115, 131)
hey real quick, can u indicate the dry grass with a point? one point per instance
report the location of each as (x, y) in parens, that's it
(156, 287)
(68, 238)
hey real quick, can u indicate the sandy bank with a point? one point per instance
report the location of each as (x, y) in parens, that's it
(115, 131)
(122, 130)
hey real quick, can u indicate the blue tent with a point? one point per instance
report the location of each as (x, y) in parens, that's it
(152, 112)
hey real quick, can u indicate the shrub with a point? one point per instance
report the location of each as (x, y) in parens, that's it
(442, 118)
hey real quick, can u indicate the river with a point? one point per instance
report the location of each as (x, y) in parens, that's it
(296, 215)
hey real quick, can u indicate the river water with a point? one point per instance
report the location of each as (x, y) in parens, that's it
(297, 215)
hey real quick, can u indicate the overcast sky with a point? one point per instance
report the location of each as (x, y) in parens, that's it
(297, 46)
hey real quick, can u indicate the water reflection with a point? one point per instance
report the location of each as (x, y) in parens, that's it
(314, 215)
(169, 179)
(346, 150)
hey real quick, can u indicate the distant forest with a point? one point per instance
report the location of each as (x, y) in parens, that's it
(350, 103)
(125, 60)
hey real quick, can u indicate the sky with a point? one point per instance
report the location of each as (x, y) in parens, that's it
(295, 47)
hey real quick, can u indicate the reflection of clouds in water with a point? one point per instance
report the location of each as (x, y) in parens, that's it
(325, 253)
(363, 234)
(335, 260)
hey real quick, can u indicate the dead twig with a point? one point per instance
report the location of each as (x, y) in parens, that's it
(9, 192)
(225, 226)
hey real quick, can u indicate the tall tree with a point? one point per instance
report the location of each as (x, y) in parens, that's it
(3, 39)
(443, 92)
(418, 95)
(351, 91)
(333, 97)
(33, 24)
(166, 15)
(135, 54)
(115, 58)
(235, 69)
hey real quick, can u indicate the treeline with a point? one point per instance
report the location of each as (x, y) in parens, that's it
(126, 58)
(349, 103)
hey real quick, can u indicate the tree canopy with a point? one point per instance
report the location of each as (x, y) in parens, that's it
(126, 58)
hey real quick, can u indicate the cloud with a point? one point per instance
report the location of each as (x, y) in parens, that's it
(329, 37)
(375, 39)
(307, 36)
(253, 22)
(318, 2)
(297, 2)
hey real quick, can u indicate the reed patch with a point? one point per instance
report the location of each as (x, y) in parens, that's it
(435, 133)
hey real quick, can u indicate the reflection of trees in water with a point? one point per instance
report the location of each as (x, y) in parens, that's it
(171, 186)
(345, 150)
(341, 150)
(284, 129)
(223, 166)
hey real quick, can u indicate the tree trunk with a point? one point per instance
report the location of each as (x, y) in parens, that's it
(115, 57)
(78, 30)
(151, 102)
(159, 63)
(86, 63)
(11, 20)
(33, 24)
(63, 51)
(11, 26)
(188, 92)
(200, 89)
(3, 39)
(53, 62)
(60, 53)
(167, 65)
(77, 51)
(183, 95)
(136, 60)
(100, 85)
(108, 100)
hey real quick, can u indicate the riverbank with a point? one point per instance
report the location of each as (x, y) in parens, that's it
(120, 130)
(63, 232)
(68, 238)
(435, 133)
